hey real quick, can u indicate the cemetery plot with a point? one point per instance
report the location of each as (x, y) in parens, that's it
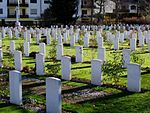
(82, 69)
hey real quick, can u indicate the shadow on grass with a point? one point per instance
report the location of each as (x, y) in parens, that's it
(108, 97)
(80, 67)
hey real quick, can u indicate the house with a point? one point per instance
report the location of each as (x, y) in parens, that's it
(28, 8)
(90, 8)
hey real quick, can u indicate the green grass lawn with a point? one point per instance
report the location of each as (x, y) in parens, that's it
(8, 108)
(117, 101)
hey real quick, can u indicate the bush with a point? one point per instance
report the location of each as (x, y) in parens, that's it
(53, 69)
(112, 69)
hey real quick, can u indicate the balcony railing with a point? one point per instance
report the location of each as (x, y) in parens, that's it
(15, 4)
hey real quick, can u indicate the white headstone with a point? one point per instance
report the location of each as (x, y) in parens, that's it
(133, 44)
(40, 59)
(0, 43)
(53, 95)
(29, 37)
(72, 40)
(15, 86)
(101, 54)
(60, 39)
(42, 48)
(134, 77)
(38, 38)
(141, 40)
(96, 70)
(86, 39)
(48, 39)
(100, 42)
(116, 43)
(12, 47)
(66, 67)
(59, 51)
(149, 45)
(79, 54)
(126, 57)
(1, 58)
(26, 48)
(18, 60)
(17, 33)
(10, 34)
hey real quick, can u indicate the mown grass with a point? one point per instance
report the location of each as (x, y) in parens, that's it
(119, 101)
(9, 108)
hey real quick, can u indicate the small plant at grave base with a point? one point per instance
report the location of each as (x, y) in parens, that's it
(109, 44)
(80, 42)
(4, 91)
(112, 69)
(8, 63)
(136, 58)
(52, 52)
(93, 46)
(53, 69)
(20, 48)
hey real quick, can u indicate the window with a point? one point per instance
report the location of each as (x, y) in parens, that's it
(1, 11)
(33, 11)
(46, 1)
(84, 12)
(133, 7)
(33, 1)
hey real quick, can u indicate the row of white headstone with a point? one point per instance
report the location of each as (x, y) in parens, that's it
(53, 92)
(115, 39)
(53, 85)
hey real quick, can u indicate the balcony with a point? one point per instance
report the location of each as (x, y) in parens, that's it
(15, 4)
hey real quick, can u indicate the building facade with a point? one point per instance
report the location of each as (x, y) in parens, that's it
(28, 8)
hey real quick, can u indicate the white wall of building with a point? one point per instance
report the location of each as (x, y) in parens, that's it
(3, 6)
(37, 8)
(44, 6)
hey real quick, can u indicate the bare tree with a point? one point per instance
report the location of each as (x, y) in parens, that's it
(101, 6)
(143, 7)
